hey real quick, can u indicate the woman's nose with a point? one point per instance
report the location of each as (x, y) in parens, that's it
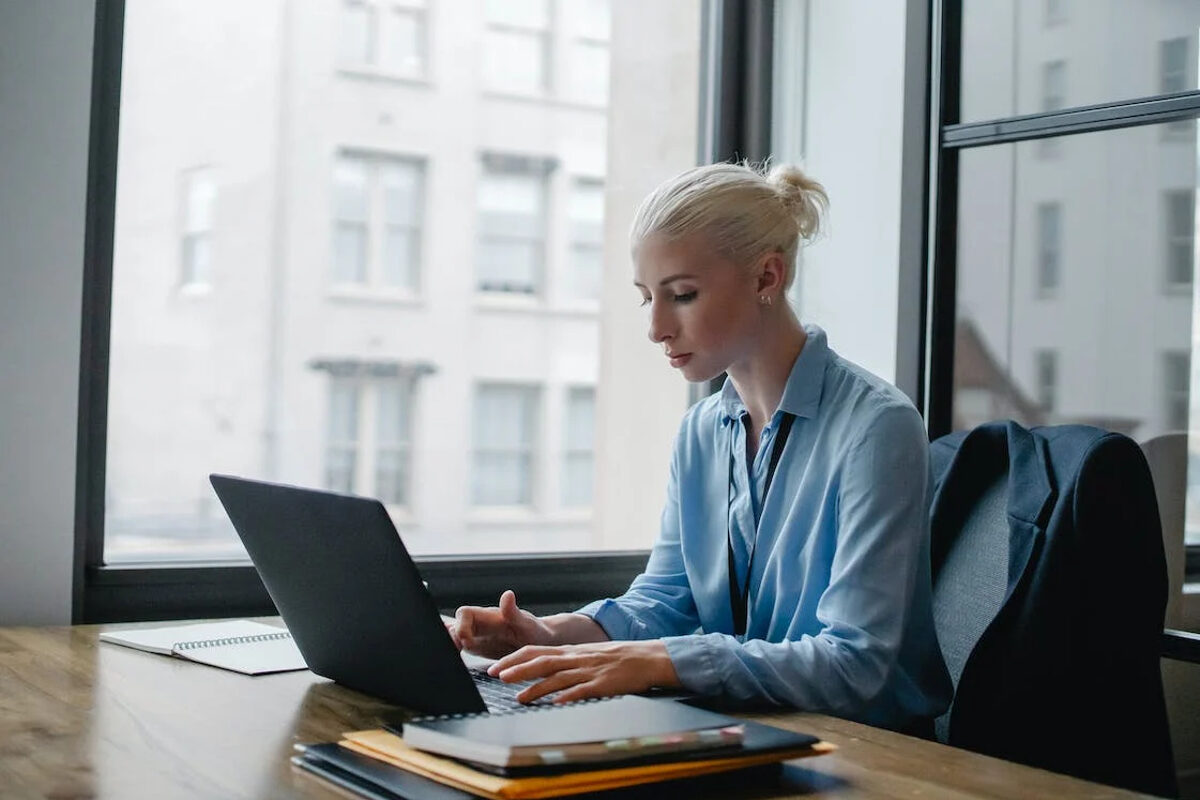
(661, 328)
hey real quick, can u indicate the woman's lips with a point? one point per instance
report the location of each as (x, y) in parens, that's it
(681, 359)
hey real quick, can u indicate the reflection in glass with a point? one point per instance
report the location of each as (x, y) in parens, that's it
(1027, 56)
(1110, 345)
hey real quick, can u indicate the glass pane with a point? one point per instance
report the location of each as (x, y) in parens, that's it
(379, 186)
(403, 49)
(581, 416)
(577, 480)
(402, 192)
(350, 189)
(350, 253)
(197, 260)
(1027, 56)
(201, 194)
(509, 265)
(1109, 347)
(401, 255)
(358, 31)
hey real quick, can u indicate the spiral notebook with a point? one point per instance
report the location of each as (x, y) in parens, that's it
(240, 645)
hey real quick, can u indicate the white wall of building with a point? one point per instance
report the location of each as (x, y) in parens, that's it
(45, 83)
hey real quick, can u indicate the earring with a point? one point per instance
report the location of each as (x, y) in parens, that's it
(765, 300)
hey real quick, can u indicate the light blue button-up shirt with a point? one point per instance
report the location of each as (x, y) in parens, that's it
(839, 616)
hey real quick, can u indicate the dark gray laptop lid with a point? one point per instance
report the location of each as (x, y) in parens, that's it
(348, 591)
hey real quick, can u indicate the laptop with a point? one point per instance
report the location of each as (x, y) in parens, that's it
(350, 595)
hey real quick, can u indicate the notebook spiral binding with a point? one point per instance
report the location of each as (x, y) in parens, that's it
(510, 711)
(202, 643)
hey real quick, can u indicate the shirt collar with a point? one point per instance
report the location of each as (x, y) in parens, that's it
(802, 393)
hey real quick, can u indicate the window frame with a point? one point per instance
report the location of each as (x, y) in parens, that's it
(376, 225)
(933, 251)
(734, 78)
(380, 12)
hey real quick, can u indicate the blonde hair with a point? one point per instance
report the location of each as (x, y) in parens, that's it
(745, 211)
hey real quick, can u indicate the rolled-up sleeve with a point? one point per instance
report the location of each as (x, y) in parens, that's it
(882, 519)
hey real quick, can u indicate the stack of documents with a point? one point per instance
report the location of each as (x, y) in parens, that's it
(551, 752)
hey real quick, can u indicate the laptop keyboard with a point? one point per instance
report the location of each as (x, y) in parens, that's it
(500, 696)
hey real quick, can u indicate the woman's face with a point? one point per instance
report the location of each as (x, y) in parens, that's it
(703, 308)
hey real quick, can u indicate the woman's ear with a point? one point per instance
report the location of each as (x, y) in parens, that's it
(772, 273)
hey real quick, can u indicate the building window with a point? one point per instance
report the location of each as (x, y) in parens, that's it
(1056, 12)
(586, 219)
(1173, 77)
(387, 36)
(579, 447)
(1054, 98)
(1176, 384)
(1179, 216)
(516, 52)
(368, 441)
(1049, 256)
(378, 210)
(512, 226)
(341, 447)
(199, 197)
(1046, 377)
(505, 437)
(588, 26)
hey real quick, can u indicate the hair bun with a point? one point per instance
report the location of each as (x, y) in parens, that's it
(801, 195)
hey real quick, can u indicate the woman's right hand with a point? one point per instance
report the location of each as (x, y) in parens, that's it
(496, 631)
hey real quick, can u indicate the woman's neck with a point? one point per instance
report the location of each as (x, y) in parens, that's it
(761, 378)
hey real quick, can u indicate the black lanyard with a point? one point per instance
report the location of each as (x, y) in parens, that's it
(739, 599)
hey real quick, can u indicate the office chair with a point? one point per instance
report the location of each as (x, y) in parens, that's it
(1049, 588)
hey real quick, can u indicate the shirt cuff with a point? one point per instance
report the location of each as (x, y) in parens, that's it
(609, 615)
(694, 662)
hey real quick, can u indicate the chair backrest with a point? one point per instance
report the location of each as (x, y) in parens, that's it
(1048, 598)
(1167, 456)
(969, 587)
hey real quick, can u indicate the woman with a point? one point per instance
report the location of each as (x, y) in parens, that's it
(792, 566)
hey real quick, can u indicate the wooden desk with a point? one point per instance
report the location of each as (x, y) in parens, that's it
(80, 719)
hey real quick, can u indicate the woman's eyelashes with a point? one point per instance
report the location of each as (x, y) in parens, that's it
(679, 297)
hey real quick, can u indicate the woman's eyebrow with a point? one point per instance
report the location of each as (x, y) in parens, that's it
(679, 276)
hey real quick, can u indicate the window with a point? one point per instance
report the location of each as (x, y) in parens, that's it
(1132, 231)
(378, 209)
(385, 36)
(341, 448)
(1054, 98)
(579, 447)
(1046, 368)
(371, 224)
(1049, 227)
(586, 211)
(1180, 224)
(512, 225)
(368, 441)
(1173, 77)
(505, 434)
(1056, 12)
(588, 26)
(199, 197)
(516, 52)
(1177, 379)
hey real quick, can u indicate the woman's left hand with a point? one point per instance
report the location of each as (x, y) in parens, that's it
(580, 671)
